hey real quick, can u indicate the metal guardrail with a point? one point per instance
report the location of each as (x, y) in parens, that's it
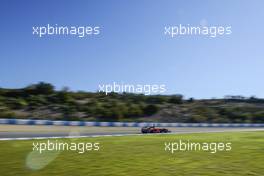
(122, 124)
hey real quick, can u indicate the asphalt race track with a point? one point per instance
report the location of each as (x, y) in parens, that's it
(27, 131)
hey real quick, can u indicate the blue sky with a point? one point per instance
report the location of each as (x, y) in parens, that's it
(132, 47)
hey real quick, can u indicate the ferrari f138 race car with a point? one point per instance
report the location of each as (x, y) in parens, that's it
(153, 129)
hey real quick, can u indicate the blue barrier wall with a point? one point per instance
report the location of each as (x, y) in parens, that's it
(122, 124)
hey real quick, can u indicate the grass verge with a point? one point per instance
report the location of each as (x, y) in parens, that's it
(140, 156)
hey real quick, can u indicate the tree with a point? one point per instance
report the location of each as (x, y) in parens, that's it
(190, 100)
(151, 109)
(40, 88)
(176, 99)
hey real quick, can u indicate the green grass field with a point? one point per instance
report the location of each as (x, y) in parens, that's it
(139, 155)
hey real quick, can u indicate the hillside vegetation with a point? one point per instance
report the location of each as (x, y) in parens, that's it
(42, 101)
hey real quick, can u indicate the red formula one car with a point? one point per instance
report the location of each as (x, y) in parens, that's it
(153, 129)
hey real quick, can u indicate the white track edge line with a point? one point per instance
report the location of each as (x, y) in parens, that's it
(120, 135)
